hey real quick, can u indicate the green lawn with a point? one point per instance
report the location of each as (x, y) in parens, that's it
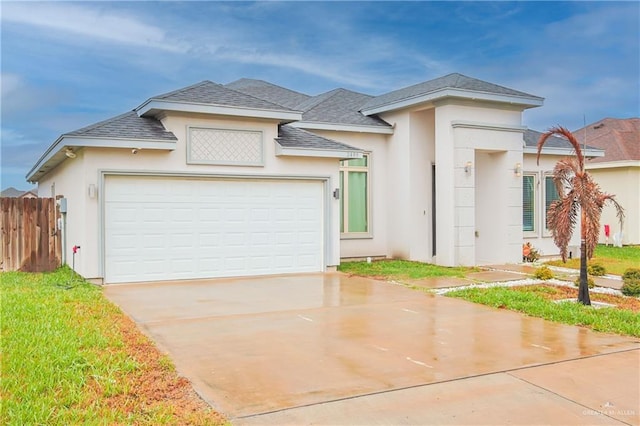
(65, 358)
(530, 300)
(615, 259)
(401, 269)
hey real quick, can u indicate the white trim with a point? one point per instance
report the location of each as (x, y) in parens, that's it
(360, 128)
(154, 106)
(612, 164)
(55, 154)
(526, 101)
(104, 173)
(487, 126)
(316, 152)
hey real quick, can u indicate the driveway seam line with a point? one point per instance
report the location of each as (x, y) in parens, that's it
(507, 372)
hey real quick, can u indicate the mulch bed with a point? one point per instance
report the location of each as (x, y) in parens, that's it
(557, 292)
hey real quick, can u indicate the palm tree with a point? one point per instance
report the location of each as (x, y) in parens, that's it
(578, 194)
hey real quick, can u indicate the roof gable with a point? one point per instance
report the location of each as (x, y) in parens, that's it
(452, 85)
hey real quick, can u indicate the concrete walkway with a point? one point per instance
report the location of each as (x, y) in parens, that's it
(332, 349)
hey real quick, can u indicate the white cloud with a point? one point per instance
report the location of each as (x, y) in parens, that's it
(93, 23)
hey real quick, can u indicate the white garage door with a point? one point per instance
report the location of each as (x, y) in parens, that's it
(173, 228)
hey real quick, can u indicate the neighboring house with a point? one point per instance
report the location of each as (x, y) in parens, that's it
(11, 192)
(618, 172)
(252, 178)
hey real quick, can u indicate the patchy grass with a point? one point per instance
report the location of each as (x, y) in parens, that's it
(614, 259)
(69, 356)
(538, 301)
(401, 270)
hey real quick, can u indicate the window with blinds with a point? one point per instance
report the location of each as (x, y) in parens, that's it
(528, 203)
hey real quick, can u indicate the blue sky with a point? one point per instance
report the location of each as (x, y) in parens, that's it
(67, 65)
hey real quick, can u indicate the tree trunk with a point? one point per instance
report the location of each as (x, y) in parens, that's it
(583, 290)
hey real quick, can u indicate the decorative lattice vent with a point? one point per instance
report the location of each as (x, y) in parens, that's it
(225, 146)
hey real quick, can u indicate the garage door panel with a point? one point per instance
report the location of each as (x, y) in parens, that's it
(164, 228)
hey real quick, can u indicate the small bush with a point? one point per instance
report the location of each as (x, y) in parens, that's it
(596, 270)
(631, 282)
(543, 273)
(529, 253)
(590, 282)
(631, 273)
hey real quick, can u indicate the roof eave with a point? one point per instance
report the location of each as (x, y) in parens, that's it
(613, 164)
(359, 128)
(56, 155)
(522, 101)
(588, 153)
(152, 107)
(317, 152)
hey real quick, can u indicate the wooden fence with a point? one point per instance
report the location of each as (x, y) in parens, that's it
(29, 239)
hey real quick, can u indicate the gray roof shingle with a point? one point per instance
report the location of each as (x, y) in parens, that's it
(531, 138)
(292, 137)
(339, 106)
(207, 92)
(126, 126)
(269, 92)
(451, 81)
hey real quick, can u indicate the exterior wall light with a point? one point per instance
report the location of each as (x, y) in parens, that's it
(69, 153)
(467, 167)
(517, 170)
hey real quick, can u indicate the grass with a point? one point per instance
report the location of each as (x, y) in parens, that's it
(531, 300)
(614, 259)
(69, 356)
(401, 269)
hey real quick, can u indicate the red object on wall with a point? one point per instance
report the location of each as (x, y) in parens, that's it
(75, 248)
(606, 231)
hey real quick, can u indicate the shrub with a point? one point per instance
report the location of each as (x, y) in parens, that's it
(631, 273)
(529, 253)
(631, 282)
(596, 270)
(543, 273)
(590, 282)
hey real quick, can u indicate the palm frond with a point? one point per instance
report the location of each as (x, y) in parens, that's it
(565, 133)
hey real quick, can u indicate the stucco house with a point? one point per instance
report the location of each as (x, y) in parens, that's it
(617, 172)
(251, 178)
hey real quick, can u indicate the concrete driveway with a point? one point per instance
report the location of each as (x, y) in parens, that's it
(332, 349)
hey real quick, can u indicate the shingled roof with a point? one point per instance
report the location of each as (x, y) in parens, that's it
(293, 137)
(531, 138)
(126, 126)
(451, 81)
(210, 93)
(339, 106)
(620, 138)
(269, 92)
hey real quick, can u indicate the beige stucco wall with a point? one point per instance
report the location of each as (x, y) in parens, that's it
(375, 244)
(477, 212)
(73, 177)
(624, 183)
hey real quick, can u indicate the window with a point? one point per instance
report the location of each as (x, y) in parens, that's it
(528, 203)
(354, 202)
(550, 195)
